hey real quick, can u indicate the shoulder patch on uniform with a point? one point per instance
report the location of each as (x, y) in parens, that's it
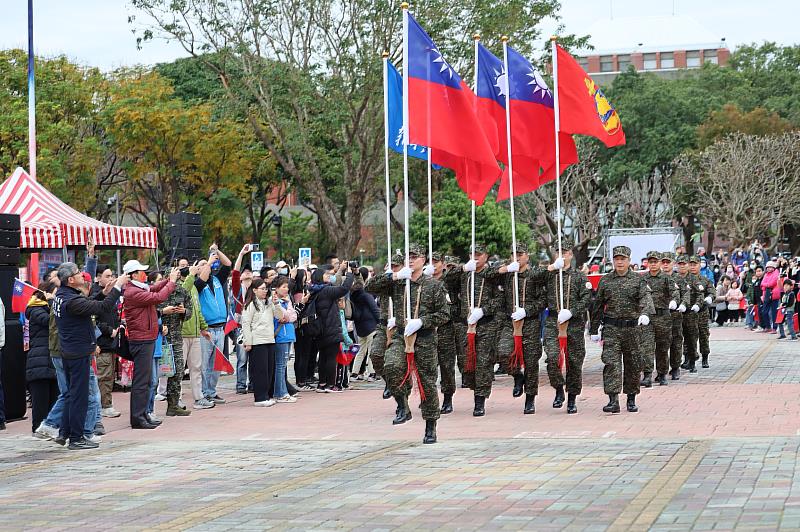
(588, 285)
(701, 287)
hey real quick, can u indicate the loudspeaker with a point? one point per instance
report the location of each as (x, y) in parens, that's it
(10, 256)
(185, 218)
(12, 372)
(9, 239)
(10, 222)
(7, 275)
(191, 254)
(185, 230)
(190, 242)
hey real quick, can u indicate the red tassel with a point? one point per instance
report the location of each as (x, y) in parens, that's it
(472, 354)
(516, 360)
(412, 372)
(562, 353)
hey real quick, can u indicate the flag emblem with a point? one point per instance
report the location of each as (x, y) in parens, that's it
(605, 111)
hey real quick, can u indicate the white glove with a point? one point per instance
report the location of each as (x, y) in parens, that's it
(390, 323)
(413, 326)
(644, 320)
(403, 273)
(471, 266)
(682, 308)
(701, 288)
(673, 305)
(695, 308)
(564, 315)
(708, 300)
(428, 270)
(475, 316)
(595, 338)
(519, 314)
(558, 264)
(513, 267)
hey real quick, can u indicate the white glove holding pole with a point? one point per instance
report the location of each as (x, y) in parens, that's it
(709, 300)
(470, 266)
(695, 308)
(673, 305)
(390, 323)
(403, 273)
(428, 270)
(513, 267)
(595, 338)
(682, 308)
(558, 264)
(475, 316)
(644, 320)
(564, 315)
(413, 326)
(519, 314)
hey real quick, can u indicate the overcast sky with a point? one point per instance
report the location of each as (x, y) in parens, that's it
(96, 32)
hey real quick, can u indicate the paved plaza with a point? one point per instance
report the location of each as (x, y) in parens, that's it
(717, 450)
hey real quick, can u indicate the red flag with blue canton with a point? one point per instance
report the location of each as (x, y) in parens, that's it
(441, 109)
(20, 296)
(231, 324)
(221, 363)
(532, 120)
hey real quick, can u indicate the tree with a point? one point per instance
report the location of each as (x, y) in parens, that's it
(731, 119)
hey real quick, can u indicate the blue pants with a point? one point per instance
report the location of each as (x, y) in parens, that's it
(76, 400)
(281, 358)
(93, 410)
(211, 377)
(153, 386)
(788, 320)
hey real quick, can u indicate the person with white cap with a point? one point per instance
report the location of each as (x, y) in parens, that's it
(141, 320)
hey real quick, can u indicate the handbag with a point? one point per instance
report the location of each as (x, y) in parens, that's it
(780, 316)
(121, 345)
(166, 367)
(722, 306)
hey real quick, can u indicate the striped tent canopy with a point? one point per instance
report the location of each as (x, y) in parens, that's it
(48, 222)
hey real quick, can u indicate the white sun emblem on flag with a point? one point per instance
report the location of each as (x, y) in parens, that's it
(539, 85)
(501, 82)
(18, 289)
(443, 65)
(399, 142)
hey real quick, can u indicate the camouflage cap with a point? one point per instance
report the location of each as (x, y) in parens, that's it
(522, 247)
(449, 259)
(417, 250)
(621, 251)
(438, 256)
(682, 259)
(654, 255)
(481, 248)
(398, 259)
(668, 255)
(695, 259)
(567, 243)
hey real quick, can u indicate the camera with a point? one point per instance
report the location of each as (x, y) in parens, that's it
(255, 247)
(353, 264)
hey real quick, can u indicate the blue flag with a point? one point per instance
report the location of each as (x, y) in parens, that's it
(395, 92)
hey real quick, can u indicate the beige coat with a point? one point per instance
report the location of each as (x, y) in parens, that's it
(257, 325)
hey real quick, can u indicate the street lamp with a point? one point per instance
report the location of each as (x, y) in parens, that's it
(361, 252)
(115, 200)
(277, 221)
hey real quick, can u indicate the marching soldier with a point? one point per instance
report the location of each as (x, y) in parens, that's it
(524, 318)
(690, 319)
(428, 311)
(452, 283)
(657, 336)
(481, 337)
(676, 339)
(382, 335)
(623, 302)
(576, 301)
(446, 341)
(707, 299)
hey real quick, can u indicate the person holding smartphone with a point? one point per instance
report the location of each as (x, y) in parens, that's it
(260, 310)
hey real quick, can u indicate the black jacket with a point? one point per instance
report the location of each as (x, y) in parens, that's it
(105, 321)
(328, 310)
(39, 366)
(366, 314)
(74, 313)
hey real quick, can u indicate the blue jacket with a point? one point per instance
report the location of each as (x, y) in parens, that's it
(708, 273)
(73, 312)
(213, 303)
(284, 332)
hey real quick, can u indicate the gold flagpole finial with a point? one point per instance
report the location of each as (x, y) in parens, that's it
(385, 55)
(554, 38)
(477, 36)
(504, 38)
(404, 6)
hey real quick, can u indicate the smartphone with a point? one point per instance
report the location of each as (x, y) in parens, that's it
(255, 247)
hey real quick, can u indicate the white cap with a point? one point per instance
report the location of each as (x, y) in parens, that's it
(280, 264)
(134, 266)
(772, 264)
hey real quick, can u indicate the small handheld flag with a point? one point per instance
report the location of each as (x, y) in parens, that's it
(231, 324)
(220, 362)
(21, 294)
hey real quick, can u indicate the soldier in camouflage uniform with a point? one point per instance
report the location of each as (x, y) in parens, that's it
(379, 342)
(707, 299)
(428, 311)
(691, 318)
(446, 341)
(487, 303)
(451, 277)
(676, 339)
(174, 311)
(623, 303)
(657, 336)
(531, 303)
(577, 296)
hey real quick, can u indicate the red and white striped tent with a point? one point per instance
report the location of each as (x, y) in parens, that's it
(48, 222)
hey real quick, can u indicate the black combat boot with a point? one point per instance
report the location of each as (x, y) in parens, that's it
(480, 406)
(447, 404)
(386, 393)
(692, 368)
(686, 363)
(558, 402)
(613, 404)
(632, 403)
(403, 412)
(676, 374)
(705, 361)
(571, 407)
(647, 380)
(430, 431)
(530, 408)
(519, 383)
(661, 379)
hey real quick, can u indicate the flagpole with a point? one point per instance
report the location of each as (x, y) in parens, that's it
(510, 168)
(31, 97)
(406, 128)
(430, 212)
(557, 119)
(477, 39)
(386, 167)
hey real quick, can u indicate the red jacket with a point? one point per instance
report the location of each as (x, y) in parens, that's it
(140, 309)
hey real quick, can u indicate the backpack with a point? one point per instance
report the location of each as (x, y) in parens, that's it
(310, 321)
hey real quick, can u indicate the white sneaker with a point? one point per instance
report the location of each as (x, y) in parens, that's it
(160, 397)
(286, 399)
(46, 432)
(94, 438)
(109, 412)
(202, 404)
(268, 402)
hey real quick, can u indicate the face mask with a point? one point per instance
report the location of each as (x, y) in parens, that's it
(184, 271)
(333, 278)
(284, 271)
(746, 268)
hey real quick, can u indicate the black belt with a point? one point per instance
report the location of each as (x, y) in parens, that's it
(662, 312)
(620, 323)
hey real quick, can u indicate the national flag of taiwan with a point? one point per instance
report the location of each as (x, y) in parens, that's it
(532, 120)
(442, 116)
(583, 108)
(20, 296)
(394, 86)
(231, 324)
(221, 363)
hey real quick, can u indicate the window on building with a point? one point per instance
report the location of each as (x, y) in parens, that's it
(649, 62)
(710, 56)
(693, 59)
(667, 60)
(623, 62)
(584, 63)
(606, 63)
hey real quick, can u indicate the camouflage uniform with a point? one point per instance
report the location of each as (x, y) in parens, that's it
(446, 343)
(429, 294)
(703, 316)
(451, 278)
(621, 299)
(576, 299)
(690, 318)
(488, 298)
(531, 298)
(174, 323)
(378, 347)
(676, 342)
(657, 336)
